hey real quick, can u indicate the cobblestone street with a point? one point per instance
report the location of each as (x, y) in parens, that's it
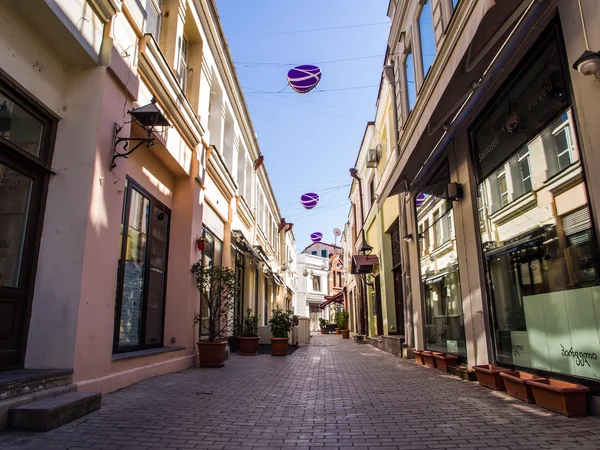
(330, 394)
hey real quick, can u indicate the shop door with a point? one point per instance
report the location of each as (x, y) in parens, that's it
(399, 301)
(378, 311)
(21, 190)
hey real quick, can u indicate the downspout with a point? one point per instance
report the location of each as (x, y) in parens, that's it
(497, 66)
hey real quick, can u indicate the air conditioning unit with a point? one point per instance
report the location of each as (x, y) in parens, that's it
(373, 157)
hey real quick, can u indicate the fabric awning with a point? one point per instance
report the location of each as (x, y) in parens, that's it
(329, 299)
(363, 263)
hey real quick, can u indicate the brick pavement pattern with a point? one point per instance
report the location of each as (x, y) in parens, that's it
(331, 394)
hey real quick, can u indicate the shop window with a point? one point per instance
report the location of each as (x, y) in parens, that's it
(141, 277)
(428, 50)
(440, 278)
(153, 10)
(316, 281)
(541, 262)
(411, 87)
(20, 127)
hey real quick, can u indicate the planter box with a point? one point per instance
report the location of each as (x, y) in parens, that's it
(516, 385)
(345, 334)
(444, 360)
(489, 376)
(463, 372)
(418, 356)
(248, 345)
(428, 358)
(568, 399)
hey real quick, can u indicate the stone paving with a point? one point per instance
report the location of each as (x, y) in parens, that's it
(330, 394)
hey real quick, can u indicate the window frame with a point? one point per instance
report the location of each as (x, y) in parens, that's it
(132, 185)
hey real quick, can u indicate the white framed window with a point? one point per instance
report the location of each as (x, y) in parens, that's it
(502, 187)
(411, 86)
(565, 148)
(153, 9)
(316, 283)
(182, 61)
(525, 169)
(427, 36)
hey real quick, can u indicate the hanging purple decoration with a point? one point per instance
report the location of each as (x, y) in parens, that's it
(304, 78)
(316, 237)
(309, 200)
(420, 199)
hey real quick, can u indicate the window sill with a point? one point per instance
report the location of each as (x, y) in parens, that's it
(146, 352)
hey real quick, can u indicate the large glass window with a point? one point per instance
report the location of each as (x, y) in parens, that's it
(444, 321)
(212, 255)
(182, 65)
(428, 50)
(540, 254)
(153, 9)
(20, 127)
(316, 280)
(411, 86)
(142, 271)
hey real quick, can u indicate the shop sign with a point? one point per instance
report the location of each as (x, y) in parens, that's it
(535, 95)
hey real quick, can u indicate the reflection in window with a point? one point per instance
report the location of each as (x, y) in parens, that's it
(428, 49)
(20, 127)
(541, 261)
(454, 3)
(411, 87)
(212, 255)
(439, 270)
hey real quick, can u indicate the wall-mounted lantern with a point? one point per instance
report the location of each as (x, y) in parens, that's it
(148, 117)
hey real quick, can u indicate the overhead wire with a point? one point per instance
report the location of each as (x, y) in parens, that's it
(351, 88)
(254, 64)
(310, 30)
(313, 111)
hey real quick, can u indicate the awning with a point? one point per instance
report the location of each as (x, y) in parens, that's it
(243, 243)
(363, 263)
(278, 279)
(329, 299)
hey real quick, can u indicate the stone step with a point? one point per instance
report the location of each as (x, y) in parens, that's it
(14, 383)
(44, 415)
(13, 402)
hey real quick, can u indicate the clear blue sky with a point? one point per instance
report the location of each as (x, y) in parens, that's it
(309, 140)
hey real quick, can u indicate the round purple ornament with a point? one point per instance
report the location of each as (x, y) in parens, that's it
(316, 237)
(309, 200)
(304, 78)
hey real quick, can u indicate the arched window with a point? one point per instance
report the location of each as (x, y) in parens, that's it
(428, 50)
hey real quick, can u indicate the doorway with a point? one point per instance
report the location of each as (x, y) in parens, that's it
(26, 141)
(378, 308)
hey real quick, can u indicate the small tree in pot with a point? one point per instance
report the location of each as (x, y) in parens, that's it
(322, 324)
(280, 323)
(249, 337)
(343, 319)
(216, 285)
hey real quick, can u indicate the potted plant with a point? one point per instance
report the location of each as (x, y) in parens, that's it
(296, 320)
(418, 355)
(280, 323)
(338, 329)
(343, 319)
(428, 358)
(322, 324)
(249, 337)
(216, 285)
(568, 399)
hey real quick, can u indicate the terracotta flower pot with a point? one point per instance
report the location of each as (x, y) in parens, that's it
(463, 372)
(568, 399)
(516, 385)
(444, 360)
(212, 354)
(338, 331)
(322, 330)
(248, 345)
(489, 376)
(418, 357)
(345, 334)
(279, 346)
(428, 358)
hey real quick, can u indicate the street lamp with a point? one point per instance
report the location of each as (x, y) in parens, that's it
(147, 117)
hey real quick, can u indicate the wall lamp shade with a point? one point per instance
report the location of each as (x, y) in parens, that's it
(366, 249)
(588, 64)
(354, 174)
(305, 273)
(407, 237)
(148, 117)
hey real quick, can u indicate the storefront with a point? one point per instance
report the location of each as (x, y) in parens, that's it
(537, 239)
(440, 276)
(26, 147)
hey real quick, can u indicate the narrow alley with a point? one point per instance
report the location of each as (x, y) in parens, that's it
(332, 393)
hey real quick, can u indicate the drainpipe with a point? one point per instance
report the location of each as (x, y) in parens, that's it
(363, 290)
(510, 46)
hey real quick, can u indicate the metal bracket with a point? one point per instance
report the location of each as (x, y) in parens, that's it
(149, 141)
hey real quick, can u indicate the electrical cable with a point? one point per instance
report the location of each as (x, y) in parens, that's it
(254, 64)
(329, 105)
(352, 88)
(310, 30)
(313, 111)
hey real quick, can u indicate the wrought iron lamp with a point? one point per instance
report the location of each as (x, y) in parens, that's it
(148, 117)
(366, 249)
